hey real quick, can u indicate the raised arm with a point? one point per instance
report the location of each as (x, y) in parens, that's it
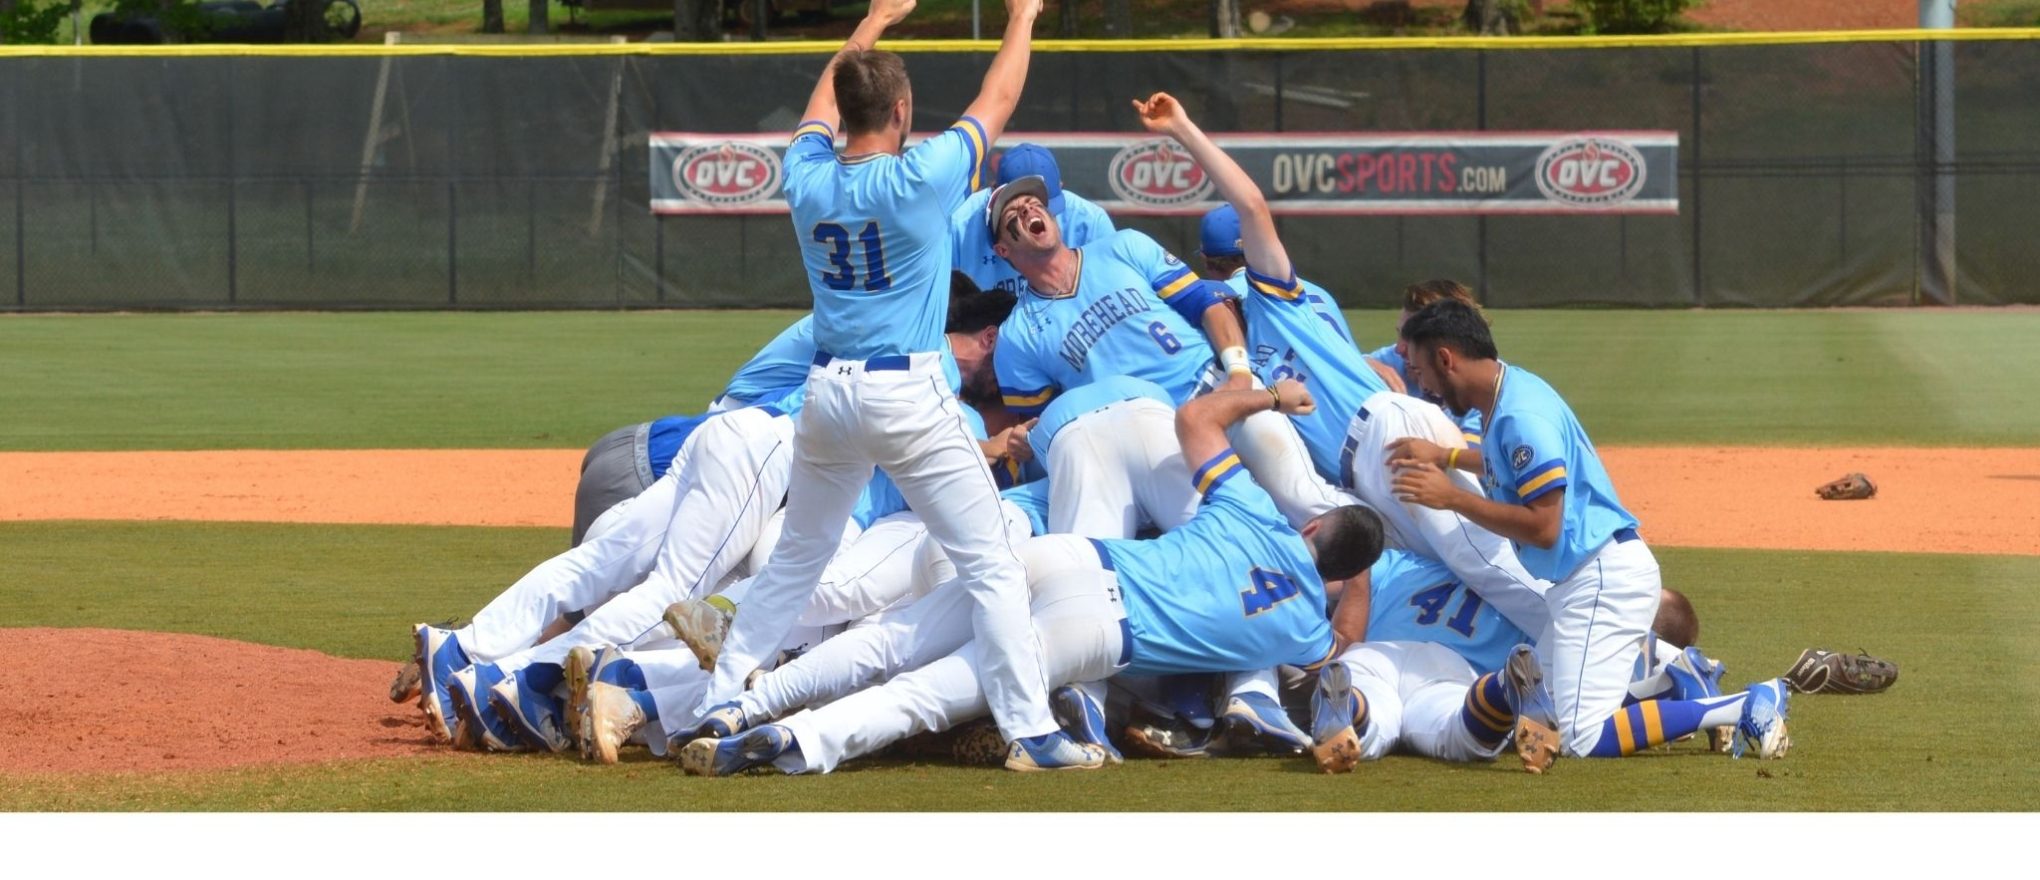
(1163, 114)
(1003, 82)
(1201, 422)
(821, 105)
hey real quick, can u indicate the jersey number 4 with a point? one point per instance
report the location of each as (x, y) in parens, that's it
(845, 276)
(1265, 590)
(1431, 604)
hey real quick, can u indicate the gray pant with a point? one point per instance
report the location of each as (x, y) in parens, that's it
(616, 468)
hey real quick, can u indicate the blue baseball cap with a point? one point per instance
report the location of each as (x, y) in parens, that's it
(1033, 160)
(1219, 234)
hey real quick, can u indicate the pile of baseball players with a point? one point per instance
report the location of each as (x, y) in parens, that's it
(1106, 500)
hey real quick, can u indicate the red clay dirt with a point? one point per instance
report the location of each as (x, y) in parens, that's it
(167, 701)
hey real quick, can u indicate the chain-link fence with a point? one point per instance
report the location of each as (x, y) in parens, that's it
(1807, 173)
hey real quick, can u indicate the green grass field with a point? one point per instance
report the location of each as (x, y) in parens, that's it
(1965, 629)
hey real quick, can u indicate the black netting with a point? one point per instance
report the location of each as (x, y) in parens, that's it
(1806, 173)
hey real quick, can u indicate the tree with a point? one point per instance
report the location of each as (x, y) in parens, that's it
(697, 21)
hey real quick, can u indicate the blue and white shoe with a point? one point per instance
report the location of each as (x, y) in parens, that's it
(439, 655)
(1536, 721)
(1083, 719)
(1695, 676)
(1333, 706)
(478, 725)
(723, 721)
(534, 714)
(1255, 718)
(1053, 751)
(1763, 721)
(728, 756)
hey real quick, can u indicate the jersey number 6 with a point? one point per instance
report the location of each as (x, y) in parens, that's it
(845, 276)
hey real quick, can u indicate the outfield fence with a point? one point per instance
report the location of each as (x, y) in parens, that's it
(1850, 169)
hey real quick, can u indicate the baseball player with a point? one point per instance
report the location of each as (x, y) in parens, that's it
(1415, 298)
(873, 227)
(1547, 491)
(1235, 588)
(1080, 220)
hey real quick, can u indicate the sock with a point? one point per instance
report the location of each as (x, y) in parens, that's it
(624, 674)
(1657, 686)
(1359, 713)
(645, 702)
(1488, 714)
(1656, 722)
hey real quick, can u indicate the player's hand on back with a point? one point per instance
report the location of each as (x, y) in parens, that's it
(1293, 399)
(1388, 376)
(1423, 483)
(1161, 113)
(891, 12)
(1405, 451)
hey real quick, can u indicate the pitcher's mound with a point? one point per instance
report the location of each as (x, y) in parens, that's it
(98, 700)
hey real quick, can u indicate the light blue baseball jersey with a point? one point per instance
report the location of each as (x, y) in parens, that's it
(1085, 399)
(874, 236)
(1290, 336)
(1416, 599)
(1234, 589)
(1135, 312)
(1468, 422)
(783, 362)
(1081, 222)
(1535, 446)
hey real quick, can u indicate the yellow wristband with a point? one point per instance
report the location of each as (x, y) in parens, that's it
(1452, 461)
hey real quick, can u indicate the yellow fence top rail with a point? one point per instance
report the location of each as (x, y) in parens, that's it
(810, 47)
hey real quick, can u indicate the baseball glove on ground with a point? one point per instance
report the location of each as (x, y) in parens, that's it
(1826, 672)
(1853, 487)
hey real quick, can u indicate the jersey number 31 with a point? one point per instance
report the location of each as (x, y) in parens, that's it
(845, 276)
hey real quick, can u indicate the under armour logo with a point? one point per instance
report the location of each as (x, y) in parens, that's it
(842, 371)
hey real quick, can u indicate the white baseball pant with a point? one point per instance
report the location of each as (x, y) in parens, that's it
(1599, 616)
(1415, 691)
(908, 422)
(732, 484)
(730, 461)
(1117, 468)
(1076, 616)
(1484, 561)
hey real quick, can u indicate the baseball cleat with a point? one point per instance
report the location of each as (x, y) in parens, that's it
(613, 718)
(1258, 719)
(439, 656)
(1167, 739)
(729, 756)
(1763, 721)
(1334, 742)
(580, 673)
(1083, 719)
(700, 624)
(479, 725)
(1695, 676)
(1052, 751)
(1536, 736)
(533, 714)
(723, 721)
(404, 688)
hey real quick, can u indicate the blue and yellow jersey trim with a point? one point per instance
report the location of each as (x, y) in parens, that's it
(1472, 439)
(1330, 652)
(1215, 472)
(1286, 289)
(815, 127)
(1168, 287)
(1540, 480)
(974, 137)
(1026, 402)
